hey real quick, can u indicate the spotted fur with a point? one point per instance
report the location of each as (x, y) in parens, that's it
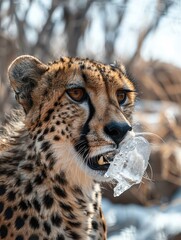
(48, 190)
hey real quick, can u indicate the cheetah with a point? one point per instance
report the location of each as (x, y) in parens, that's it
(75, 114)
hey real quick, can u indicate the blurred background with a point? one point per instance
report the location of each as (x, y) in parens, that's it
(145, 36)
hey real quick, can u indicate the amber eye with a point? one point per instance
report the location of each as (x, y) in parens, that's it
(77, 94)
(121, 96)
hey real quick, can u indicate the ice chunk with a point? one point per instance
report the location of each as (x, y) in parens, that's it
(129, 164)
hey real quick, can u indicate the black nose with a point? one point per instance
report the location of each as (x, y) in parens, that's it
(116, 131)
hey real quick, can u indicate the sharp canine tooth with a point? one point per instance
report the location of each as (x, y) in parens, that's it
(101, 161)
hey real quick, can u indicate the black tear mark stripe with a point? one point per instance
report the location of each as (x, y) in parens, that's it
(83, 150)
(86, 128)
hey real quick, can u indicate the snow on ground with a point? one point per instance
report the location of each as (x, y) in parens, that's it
(133, 222)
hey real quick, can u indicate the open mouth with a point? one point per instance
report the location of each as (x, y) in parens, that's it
(101, 162)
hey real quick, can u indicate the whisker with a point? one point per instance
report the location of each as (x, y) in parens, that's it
(82, 149)
(149, 134)
(80, 142)
(151, 170)
(145, 176)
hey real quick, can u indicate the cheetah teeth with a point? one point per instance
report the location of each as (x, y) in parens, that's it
(102, 161)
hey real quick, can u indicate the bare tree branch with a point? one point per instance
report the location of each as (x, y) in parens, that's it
(75, 25)
(165, 6)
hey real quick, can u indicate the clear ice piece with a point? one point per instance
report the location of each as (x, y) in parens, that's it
(129, 164)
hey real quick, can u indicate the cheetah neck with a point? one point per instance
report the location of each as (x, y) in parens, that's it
(50, 192)
(58, 182)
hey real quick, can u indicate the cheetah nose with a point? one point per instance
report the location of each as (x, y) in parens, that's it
(116, 130)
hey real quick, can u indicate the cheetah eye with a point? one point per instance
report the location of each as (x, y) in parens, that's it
(121, 96)
(77, 94)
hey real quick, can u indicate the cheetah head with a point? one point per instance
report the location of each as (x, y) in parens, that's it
(78, 111)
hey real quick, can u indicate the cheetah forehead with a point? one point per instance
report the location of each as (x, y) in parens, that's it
(88, 73)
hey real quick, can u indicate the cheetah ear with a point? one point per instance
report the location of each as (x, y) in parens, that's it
(120, 66)
(24, 74)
